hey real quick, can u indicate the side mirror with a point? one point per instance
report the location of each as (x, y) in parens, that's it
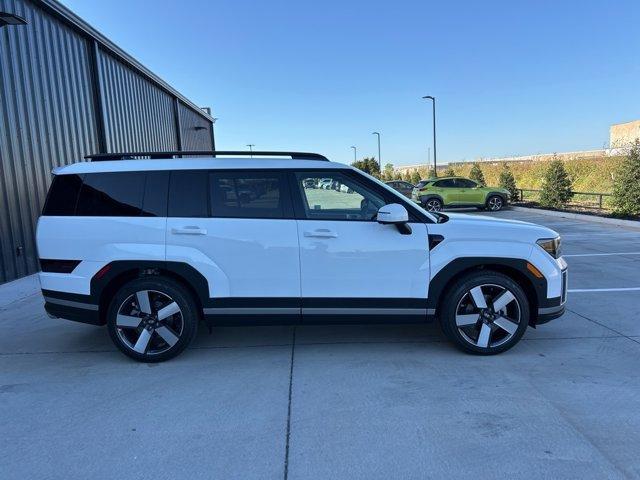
(393, 213)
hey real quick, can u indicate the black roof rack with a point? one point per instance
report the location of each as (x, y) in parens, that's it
(97, 157)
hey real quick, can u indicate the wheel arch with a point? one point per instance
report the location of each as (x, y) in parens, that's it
(429, 196)
(104, 287)
(495, 194)
(516, 269)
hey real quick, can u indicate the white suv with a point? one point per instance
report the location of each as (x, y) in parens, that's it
(149, 245)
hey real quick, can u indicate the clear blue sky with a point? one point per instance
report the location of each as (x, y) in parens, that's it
(510, 77)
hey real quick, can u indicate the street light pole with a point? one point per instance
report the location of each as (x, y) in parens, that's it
(355, 154)
(251, 145)
(379, 154)
(435, 156)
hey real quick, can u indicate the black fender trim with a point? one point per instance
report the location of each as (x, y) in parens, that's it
(536, 288)
(138, 268)
(498, 194)
(424, 198)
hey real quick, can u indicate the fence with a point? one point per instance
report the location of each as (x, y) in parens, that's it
(597, 201)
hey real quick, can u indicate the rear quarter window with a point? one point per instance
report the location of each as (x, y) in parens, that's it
(111, 194)
(63, 195)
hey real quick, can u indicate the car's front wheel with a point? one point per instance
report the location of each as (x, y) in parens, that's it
(152, 319)
(485, 313)
(495, 203)
(432, 205)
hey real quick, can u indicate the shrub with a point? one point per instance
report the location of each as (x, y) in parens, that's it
(556, 185)
(388, 173)
(369, 165)
(449, 172)
(508, 181)
(626, 183)
(477, 175)
(415, 177)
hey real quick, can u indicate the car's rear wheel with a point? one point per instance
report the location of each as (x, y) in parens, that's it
(495, 203)
(485, 313)
(152, 319)
(432, 205)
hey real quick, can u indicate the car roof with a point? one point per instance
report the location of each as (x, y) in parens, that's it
(199, 163)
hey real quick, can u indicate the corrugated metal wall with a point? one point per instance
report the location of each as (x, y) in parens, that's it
(66, 93)
(196, 130)
(138, 115)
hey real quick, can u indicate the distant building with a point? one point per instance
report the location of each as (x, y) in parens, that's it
(622, 134)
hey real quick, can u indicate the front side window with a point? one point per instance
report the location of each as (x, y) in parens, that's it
(335, 196)
(464, 183)
(247, 195)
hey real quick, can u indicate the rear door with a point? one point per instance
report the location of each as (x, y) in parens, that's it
(237, 229)
(351, 264)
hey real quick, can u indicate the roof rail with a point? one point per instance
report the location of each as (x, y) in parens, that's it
(98, 157)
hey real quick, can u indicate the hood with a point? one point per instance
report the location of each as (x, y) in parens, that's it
(484, 226)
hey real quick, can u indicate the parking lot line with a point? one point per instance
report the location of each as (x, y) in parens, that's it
(587, 290)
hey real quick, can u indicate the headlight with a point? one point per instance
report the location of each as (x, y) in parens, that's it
(551, 246)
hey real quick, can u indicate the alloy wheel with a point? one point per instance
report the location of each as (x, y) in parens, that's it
(495, 204)
(149, 322)
(433, 205)
(488, 316)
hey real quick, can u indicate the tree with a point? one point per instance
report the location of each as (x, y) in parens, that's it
(508, 181)
(388, 173)
(415, 177)
(368, 165)
(556, 185)
(407, 176)
(449, 172)
(626, 183)
(432, 173)
(477, 175)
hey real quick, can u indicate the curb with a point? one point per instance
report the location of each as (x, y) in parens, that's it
(578, 216)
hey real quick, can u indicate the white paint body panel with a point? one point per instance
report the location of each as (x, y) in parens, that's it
(96, 241)
(240, 257)
(483, 236)
(363, 259)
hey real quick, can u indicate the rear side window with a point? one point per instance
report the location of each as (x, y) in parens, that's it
(188, 196)
(247, 195)
(63, 195)
(111, 194)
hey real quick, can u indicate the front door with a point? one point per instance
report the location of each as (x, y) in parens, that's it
(350, 264)
(468, 192)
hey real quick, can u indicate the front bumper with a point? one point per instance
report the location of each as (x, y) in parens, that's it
(554, 307)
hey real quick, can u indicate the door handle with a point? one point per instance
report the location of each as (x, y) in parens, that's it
(321, 233)
(189, 230)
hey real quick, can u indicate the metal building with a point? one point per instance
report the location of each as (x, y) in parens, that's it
(66, 91)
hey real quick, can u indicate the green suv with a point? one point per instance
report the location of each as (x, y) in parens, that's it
(435, 193)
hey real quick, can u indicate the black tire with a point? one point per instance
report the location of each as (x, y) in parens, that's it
(432, 204)
(179, 328)
(459, 302)
(494, 203)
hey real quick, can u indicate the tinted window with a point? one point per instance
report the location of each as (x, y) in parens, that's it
(188, 194)
(63, 195)
(464, 183)
(117, 194)
(247, 195)
(155, 194)
(337, 198)
(449, 183)
(422, 183)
